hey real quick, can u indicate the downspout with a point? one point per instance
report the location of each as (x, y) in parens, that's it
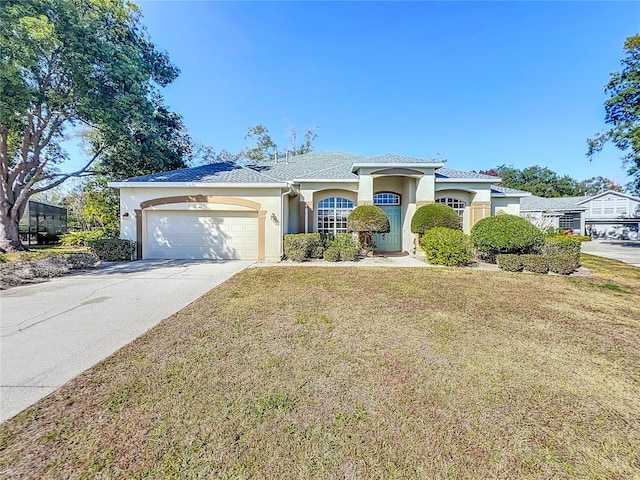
(288, 192)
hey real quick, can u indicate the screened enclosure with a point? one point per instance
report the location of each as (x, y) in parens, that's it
(42, 222)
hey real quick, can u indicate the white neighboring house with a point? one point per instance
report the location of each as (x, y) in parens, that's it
(612, 215)
(231, 211)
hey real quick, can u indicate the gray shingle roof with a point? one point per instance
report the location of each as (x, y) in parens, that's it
(445, 172)
(393, 158)
(224, 172)
(541, 204)
(310, 166)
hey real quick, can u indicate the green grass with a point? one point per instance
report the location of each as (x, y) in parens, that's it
(360, 373)
(38, 252)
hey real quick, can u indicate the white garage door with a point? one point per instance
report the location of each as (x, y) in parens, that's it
(201, 235)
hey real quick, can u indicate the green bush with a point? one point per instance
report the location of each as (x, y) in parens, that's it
(510, 262)
(581, 238)
(80, 239)
(565, 263)
(535, 263)
(505, 234)
(113, 249)
(368, 218)
(561, 244)
(332, 254)
(446, 246)
(435, 215)
(301, 246)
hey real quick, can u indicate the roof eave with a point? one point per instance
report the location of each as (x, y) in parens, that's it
(466, 180)
(197, 185)
(357, 166)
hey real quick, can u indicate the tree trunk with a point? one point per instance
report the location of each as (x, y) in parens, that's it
(9, 234)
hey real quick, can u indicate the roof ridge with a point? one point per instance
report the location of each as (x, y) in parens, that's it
(348, 162)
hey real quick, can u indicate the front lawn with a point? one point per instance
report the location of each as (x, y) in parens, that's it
(360, 373)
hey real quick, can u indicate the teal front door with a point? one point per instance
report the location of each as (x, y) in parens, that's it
(392, 241)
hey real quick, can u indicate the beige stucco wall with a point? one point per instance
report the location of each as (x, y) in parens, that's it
(509, 205)
(313, 192)
(270, 200)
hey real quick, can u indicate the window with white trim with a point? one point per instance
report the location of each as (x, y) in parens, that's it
(566, 220)
(386, 198)
(457, 205)
(332, 215)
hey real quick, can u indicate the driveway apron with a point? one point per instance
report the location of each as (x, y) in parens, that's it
(53, 331)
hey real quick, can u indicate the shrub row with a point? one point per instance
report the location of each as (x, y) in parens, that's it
(341, 248)
(561, 244)
(299, 247)
(446, 246)
(563, 263)
(113, 249)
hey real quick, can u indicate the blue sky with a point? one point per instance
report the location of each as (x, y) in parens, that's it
(482, 84)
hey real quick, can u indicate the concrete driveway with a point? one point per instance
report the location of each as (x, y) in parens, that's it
(624, 250)
(53, 331)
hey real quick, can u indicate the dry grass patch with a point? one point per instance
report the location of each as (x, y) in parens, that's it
(359, 373)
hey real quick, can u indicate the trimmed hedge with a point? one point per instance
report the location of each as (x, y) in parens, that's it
(505, 234)
(561, 244)
(535, 263)
(565, 263)
(113, 249)
(300, 246)
(510, 262)
(446, 246)
(332, 254)
(342, 247)
(435, 215)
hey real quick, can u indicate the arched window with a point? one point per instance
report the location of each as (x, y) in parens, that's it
(386, 198)
(332, 215)
(457, 205)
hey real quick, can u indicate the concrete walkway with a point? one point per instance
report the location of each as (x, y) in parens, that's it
(627, 251)
(53, 331)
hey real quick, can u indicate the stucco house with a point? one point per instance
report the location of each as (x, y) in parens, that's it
(606, 215)
(232, 211)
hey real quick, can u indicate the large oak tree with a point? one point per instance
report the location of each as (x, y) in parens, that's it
(71, 65)
(622, 112)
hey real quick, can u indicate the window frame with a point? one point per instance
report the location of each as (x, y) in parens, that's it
(332, 214)
(397, 199)
(447, 200)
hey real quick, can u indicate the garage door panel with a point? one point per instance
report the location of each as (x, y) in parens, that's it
(195, 235)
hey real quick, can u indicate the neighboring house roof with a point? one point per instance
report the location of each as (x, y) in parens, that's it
(307, 167)
(619, 194)
(541, 204)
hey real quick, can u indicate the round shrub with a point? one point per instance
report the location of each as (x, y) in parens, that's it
(367, 220)
(505, 234)
(349, 253)
(510, 262)
(535, 263)
(435, 215)
(446, 246)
